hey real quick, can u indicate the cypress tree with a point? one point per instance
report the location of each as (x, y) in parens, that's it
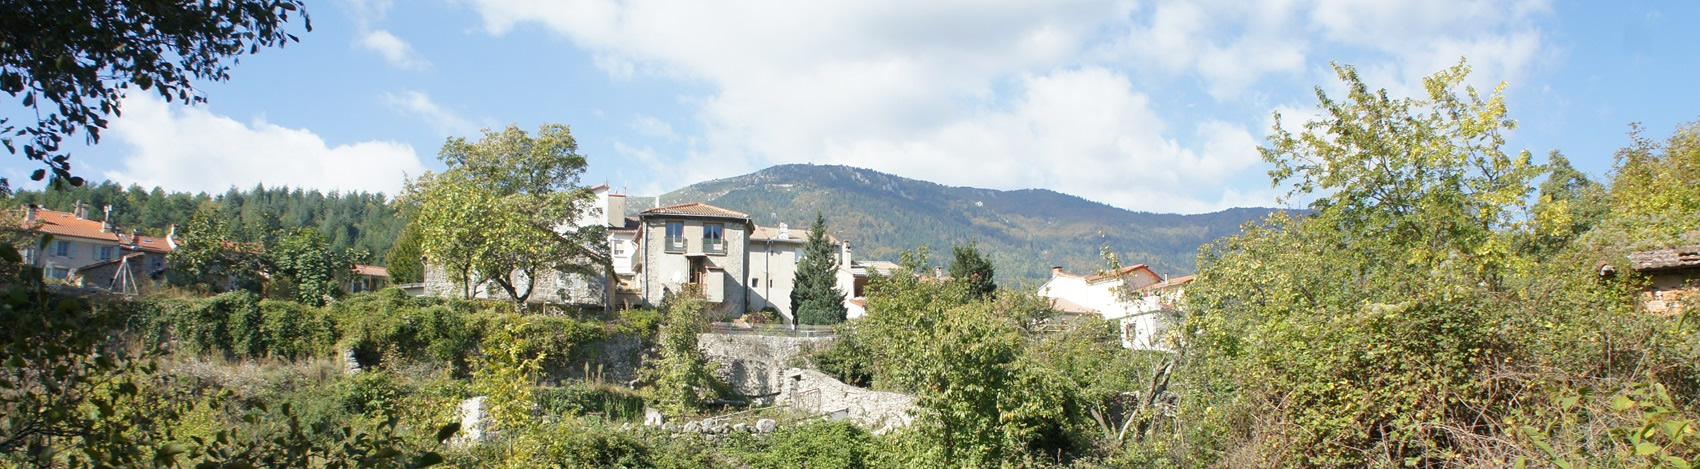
(815, 298)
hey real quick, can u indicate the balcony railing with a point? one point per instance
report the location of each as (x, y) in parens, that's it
(714, 246)
(672, 244)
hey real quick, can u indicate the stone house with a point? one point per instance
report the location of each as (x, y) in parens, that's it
(737, 265)
(1675, 278)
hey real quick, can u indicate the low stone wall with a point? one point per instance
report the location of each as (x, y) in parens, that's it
(754, 365)
(815, 392)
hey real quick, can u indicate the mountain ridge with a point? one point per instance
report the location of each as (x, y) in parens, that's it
(1024, 231)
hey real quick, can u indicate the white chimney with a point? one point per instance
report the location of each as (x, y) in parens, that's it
(171, 238)
(784, 232)
(29, 213)
(106, 219)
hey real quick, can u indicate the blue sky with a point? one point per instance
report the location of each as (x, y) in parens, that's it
(1154, 106)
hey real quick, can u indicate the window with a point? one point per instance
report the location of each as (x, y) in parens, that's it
(156, 262)
(755, 283)
(62, 248)
(105, 253)
(714, 237)
(619, 247)
(675, 236)
(57, 272)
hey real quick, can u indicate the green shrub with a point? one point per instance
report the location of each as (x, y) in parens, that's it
(612, 403)
(817, 444)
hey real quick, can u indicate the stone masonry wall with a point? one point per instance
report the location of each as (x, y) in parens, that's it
(758, 366)
(754, 364)
(816, 392)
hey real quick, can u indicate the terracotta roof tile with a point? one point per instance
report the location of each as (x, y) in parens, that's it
(1669, 258)
(1124, 271)
(371, 270)
(1173, 282)
(66, 224)
(695, 209)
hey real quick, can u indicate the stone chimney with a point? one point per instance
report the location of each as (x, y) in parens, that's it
(29, 213)
(784, 231)
(846, 263)
(135, 236)
(80, 211)
(106, 219)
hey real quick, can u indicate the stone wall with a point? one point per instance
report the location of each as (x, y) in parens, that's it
(754, 365)
(758, 367)
(815, 392)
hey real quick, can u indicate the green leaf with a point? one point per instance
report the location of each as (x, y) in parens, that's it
(1621, 403)
(1645, 448)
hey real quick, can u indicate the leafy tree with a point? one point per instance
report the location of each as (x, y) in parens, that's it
(72, 61)
(681, 377)
(306, 259)
(974, 269)
(209, 255)
(403, 259)
(1655, 183)
(815, 298)
(504, 211)
(981, 396)
(1567, 205)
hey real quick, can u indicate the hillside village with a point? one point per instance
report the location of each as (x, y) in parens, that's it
(1430, 295)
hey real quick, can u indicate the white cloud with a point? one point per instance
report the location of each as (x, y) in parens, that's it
(192, 149)
(420, 105)
(394, 50)
(651, 126)
(1017, 93)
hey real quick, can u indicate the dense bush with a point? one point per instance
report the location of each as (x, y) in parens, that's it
(817, 444)
(578, 399)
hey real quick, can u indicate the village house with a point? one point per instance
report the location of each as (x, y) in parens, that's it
(736, 265)
(1143, 303)
(91, 253)
(1675, 278)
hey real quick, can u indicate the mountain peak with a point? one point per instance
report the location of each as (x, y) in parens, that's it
(1024, 231)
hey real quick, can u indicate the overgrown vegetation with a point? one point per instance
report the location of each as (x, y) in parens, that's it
(1443, 304)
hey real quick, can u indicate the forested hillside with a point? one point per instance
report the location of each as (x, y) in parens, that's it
(365, 222)
(1025, 232)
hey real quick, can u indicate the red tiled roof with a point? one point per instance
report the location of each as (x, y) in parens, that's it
(1124, 271)
(695, 209)
(1173, 282)
(66, 224)
(146, 243)
(371, 270)
(1668, 258)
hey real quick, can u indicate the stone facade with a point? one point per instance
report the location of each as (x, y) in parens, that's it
(719, 272)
